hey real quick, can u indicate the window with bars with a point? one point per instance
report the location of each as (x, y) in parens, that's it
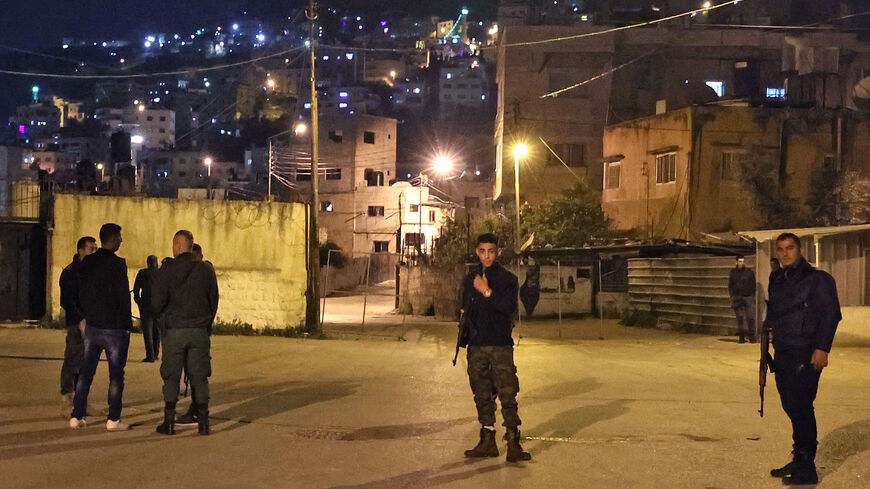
(333, 174)
(382, 246)
(666, 168)
(611, 174)
(730, 165)
(376, 210)
(571, 154)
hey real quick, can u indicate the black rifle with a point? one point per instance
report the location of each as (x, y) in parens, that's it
(464, 330)
(766, 362)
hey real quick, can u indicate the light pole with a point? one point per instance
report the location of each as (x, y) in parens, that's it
(100, 167)
(299, 130)
(208, 161)
(520, 151)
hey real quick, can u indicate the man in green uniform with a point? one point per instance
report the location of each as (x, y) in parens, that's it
(186, 293)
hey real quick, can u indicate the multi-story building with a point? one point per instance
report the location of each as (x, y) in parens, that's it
(557, 97)
(463, 83)
(52, 161)
(709, 169)
(37, 120)
(155, 127)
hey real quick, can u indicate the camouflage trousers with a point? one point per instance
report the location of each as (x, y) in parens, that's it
(492, 374)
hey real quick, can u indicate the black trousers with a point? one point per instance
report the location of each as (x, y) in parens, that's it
(798, 382)
(189, 349)
(72, 359)
(151, 336)
(492, 374)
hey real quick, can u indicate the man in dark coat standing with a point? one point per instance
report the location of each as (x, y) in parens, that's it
(741, 288)
(142, 287)
(804, 312)
(105, 295)
(186, 293)
(490, 296)
(75, 323)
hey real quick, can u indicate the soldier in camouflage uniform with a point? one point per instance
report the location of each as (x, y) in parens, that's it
(490, 296)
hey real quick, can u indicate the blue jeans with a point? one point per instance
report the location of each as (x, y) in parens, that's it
(115, 342)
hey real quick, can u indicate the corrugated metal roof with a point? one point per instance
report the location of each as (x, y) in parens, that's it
(768, 234)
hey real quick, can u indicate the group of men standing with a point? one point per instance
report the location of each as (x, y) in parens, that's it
(181, 297)
(802, 318)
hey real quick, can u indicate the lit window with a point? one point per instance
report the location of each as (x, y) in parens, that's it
(775, 92)
(449, 76)
(718, 86)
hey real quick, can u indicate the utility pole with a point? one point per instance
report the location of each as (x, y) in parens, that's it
(312, 311)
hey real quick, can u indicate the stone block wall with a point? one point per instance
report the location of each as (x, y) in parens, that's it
(257, 248)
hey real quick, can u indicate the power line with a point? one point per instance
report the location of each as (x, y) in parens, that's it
(149, 75)
(690, 13)
(596, 77)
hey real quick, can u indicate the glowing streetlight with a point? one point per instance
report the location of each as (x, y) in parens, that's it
(270, 83)
(208, 161)
(141, 108)
(443, 165)
(393, 74)
(520, 152)
(300, 129)
(100, 167)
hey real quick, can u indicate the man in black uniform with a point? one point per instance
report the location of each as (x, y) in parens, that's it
(75, 325)
(142, 287)
(741, 288)
(804, 312)
(490, 299)
(186, 293)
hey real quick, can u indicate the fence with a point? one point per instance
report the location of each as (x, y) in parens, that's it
(367, 276)
(683, 292)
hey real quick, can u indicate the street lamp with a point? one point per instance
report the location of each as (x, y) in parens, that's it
(443, 165)
(393, 74)
(520, 152)
(300, 129)
(270, 83)
(208, 161)
(100, 167)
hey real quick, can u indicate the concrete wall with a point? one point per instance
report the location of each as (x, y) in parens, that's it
(555, 297)
(257, 248)
(422, 288)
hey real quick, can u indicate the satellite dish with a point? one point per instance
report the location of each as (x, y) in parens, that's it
(861, 94)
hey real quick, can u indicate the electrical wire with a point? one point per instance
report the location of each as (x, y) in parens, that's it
(150, 75)
(596, 77)
(690, 13)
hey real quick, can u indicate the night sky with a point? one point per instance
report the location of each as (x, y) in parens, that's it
(43, 23)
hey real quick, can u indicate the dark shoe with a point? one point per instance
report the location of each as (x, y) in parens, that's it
(515, 451)
(189, 418)
(742, 339)
(168, 425)
(147, 360)
(801, 477)
(486, 447)
(166, 428)
(202, 421)
(783, 471)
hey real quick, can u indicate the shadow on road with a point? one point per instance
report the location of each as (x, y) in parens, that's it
(404, 430)
(432, 477)
(844, 442)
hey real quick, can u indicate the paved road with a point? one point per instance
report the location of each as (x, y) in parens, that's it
(640, 409)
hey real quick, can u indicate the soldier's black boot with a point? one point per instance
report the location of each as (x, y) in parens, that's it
(202, 420)
(803, 469)
(486, 447)
(515, 451)
(785, 469)
(168, 426)
(742, 338)
(190, 417)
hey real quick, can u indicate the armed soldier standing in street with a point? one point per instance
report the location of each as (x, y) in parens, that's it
(741, 288)
(186, 293)
(803, 315)
(490, 301)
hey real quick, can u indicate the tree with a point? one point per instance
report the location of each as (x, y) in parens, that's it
(574, 218)
(840, 198)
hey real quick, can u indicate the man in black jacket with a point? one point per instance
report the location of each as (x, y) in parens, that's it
(804, 312)
(142, 287)
(490, 296)
(186, 293)
(105, 296)
(741, 288)
(75, 326)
